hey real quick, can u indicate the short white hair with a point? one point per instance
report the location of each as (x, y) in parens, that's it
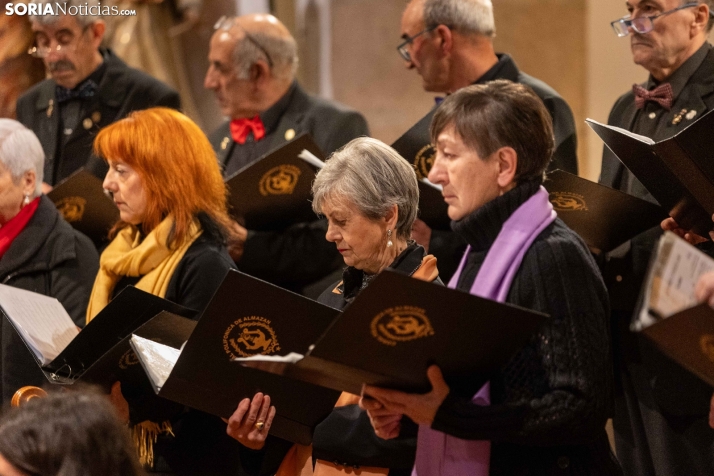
(21, 151)
(464, 16)
(372, 176)
(82, 20)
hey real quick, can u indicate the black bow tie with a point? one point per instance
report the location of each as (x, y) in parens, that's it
(83, 91)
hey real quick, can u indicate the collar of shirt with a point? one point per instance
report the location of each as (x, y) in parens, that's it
(505, 68)
(271, 116)
(679, 79)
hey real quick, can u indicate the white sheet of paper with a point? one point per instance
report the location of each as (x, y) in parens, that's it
(41, 320)
(640, 138)
(158, 359)
(311, 159)
(290, 358)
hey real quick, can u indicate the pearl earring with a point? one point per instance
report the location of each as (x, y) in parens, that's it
(26, 201)
(389, 239)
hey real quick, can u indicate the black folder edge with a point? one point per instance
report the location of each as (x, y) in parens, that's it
(648, 206)
(54, 370)
(282, 427)
(331, 375)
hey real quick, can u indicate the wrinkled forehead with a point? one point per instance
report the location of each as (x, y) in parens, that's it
(51, 25)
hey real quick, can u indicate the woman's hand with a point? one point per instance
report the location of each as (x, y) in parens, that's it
(237, 241)
(420, 408)
(668, 224)
(704, 289)
(251, 421)
(119, 403)
(386, 424)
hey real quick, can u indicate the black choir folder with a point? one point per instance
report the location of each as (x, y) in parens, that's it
(398, 326)
(416, 147)
(99, 353)
(245, 317)
(81, 200)
(603, 217)
(275, 191)
(678, 172)
(669, 314)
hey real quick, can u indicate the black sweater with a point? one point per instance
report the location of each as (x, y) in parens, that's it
(551, 401)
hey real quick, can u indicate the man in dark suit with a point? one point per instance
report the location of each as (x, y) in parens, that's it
(253, 60)
(89, 88)
(661, 409)
(450, 45)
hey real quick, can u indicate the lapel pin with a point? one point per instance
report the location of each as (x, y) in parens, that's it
(96, 116)
(678, 117)
(87, 123)
(290, 134)
(50, 107)
(691, 114)
(224, 143)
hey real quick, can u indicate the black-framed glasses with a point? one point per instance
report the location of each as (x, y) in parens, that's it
(226, 23)
(68, 43)
(403, 47)
(643, 24)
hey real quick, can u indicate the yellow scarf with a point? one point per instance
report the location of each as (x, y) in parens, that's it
(151, 258)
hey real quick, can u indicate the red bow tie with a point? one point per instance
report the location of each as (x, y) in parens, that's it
(241, 127)
(662, 94)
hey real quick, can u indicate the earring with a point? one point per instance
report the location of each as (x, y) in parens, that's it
(26, 201)
(389, 239)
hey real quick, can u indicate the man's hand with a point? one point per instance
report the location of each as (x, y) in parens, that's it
(420, 408)
(237, 241)
(386, 424)
(251, 421)
(421, 233)
(668, 224)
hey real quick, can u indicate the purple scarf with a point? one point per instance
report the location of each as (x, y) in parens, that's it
(438, 453)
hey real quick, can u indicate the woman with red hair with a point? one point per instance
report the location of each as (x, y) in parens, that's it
(171, 242)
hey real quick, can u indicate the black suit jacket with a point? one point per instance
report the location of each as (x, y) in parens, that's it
(298, 255)
(121, 90)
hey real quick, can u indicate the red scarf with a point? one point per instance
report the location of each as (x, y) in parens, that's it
(16, 224)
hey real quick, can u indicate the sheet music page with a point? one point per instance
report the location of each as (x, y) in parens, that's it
(640, 138)
(673, 275)
(311, 159)
(158, 359)
(291, 358)
(41, 321)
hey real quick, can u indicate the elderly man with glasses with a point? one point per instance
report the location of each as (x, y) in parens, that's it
(661, 410)
(252, 65)
(88, 89)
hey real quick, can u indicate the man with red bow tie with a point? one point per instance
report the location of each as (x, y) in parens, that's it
(253, 60)
(660, 410)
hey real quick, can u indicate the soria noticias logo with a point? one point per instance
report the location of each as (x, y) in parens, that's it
(61, 8)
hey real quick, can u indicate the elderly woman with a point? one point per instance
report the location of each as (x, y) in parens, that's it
(549, 403)
(171, 242)
(68, 434)
(369, 195)
(39, 251)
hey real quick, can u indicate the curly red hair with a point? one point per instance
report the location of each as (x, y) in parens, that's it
(176, 163)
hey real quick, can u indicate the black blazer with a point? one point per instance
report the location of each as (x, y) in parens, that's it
(121, 90)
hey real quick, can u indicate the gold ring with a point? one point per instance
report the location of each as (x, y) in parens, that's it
(259, 424)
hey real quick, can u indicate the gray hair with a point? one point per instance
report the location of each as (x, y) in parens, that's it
(374, 177)
(464, 16)
(283, 54)
(21, 151)
(69, 5)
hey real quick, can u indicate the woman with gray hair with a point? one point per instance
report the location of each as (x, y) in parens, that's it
(369, 195)
(39, 251)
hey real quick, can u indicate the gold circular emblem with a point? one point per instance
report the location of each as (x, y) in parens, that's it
(424, 160)
(568, 202)
(71, 208)
(706, 342)
(290, 134)
(248, 336)
(128, 359)
(401, 324)
(280, 180)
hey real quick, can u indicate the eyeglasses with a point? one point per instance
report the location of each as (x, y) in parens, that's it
(65, 42)
(644, 24)
(226, 23)
(403, 48)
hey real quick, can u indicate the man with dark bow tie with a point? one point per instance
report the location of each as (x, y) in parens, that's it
(252, 65)
(661, 410)
(89, 88)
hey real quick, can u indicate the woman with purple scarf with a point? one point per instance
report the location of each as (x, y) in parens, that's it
(544, 412)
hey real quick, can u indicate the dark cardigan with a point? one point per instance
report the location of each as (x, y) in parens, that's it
(551, 401)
